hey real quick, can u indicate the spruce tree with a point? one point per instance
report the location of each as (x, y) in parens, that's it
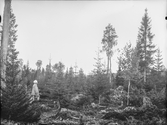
(26, 76)
(98, 65)
(12, 60)
(70, 80)
(81, 80)
(119, 81)
(100, 82)
(145, 47)
(15, 101)
(156, 79)
(158, 61)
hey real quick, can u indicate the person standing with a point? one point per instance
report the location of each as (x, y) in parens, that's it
(35, 91)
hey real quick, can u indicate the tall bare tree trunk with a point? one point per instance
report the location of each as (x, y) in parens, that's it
(5, 39)
(110, 76)
(145, 75)
(145, 51)
(128, 93)
(108, 60)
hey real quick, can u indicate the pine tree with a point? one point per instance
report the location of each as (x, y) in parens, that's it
(126, 58)
(38, 71)
(59, 71)
(39, 64)
(15, 102)
(158, 61)
(109, 41)
(48, 74)
(128, 63)
(145, 47)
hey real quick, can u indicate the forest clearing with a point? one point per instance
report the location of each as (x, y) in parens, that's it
(62, 95)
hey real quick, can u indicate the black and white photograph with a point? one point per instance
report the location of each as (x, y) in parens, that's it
(83, 62)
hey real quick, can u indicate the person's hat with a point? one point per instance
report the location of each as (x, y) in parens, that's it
(35, 82)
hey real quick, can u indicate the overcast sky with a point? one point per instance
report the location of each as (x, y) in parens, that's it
(71, 31)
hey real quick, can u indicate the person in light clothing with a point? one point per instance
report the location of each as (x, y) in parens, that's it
(35, 91)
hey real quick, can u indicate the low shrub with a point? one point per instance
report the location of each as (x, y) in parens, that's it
(158, 98)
